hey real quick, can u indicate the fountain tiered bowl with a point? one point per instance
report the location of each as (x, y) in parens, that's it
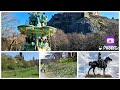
(43, 31)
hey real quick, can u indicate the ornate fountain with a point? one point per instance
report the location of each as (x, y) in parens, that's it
(37, 32)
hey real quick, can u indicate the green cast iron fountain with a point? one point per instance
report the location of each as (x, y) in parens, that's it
(38, 33)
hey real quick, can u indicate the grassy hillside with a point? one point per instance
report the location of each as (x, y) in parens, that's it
(61, 70)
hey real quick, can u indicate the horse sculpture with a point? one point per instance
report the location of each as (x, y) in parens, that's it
(103, 65)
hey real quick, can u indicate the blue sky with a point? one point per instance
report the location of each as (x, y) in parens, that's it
(27, 55)
(23, 16)
(94, 55)
(110, 14)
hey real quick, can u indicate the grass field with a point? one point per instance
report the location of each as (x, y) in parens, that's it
(26, 73)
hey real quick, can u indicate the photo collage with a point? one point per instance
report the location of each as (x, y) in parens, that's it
(59, 45)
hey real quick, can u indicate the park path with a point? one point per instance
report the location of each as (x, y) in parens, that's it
(42, 75)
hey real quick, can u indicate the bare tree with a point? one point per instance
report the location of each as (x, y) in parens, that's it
(10, 39)
(8, 24)
(59, 41)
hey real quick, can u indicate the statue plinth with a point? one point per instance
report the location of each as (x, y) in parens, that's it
(98, 76)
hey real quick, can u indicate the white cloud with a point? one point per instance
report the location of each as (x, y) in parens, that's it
(112, 68)
(83, 60)
(83, 57)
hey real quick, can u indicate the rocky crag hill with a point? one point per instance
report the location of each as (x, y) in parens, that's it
(78, 22)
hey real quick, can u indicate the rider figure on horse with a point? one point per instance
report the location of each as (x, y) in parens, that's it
(99, 60)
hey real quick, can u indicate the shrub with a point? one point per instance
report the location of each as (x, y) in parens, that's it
(67, 60)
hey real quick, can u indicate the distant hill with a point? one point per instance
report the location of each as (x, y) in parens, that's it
(98, 76)
(74, 22)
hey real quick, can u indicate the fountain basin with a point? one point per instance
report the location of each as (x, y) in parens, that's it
(28, 29)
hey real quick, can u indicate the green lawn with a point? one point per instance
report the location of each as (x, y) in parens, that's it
(27, 73)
